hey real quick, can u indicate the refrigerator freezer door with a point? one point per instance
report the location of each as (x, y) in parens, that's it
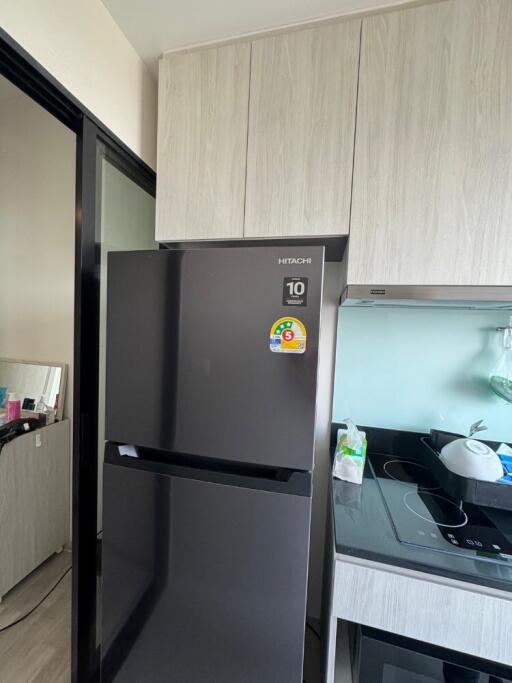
(190, 366)
(202, 583)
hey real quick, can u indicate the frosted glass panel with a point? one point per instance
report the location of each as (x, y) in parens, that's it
(417, 369)
(127, 221)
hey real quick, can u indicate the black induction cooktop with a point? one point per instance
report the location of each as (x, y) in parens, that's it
(423, 515)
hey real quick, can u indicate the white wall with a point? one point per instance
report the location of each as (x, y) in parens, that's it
(331, 298)
(37, 236)
(79, 43)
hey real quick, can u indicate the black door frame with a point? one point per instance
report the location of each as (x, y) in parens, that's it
(20, 68)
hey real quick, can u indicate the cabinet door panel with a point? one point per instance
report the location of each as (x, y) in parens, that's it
(432, 198)
(301, 132)
(202, 144)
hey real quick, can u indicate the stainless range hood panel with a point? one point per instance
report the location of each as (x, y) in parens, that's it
(428, 296)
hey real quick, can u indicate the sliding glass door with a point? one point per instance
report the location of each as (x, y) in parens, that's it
(126, 218)
(116, 200)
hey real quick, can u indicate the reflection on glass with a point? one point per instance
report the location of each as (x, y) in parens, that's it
(127, 221)
(436, 672)
(394, 674)
(452, 673)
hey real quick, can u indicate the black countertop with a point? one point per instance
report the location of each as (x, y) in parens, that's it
(363, 527)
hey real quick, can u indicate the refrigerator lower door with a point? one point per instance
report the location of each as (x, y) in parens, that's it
(202, 582)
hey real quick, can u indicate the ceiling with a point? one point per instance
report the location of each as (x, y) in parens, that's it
(157, 26)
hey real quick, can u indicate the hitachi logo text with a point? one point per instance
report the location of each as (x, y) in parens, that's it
(293, 260)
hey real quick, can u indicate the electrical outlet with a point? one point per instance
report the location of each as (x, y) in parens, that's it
(39, 439)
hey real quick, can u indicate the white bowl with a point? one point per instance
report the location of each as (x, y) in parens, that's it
(472, 459)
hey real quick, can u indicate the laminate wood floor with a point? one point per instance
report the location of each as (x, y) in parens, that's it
(38, 649)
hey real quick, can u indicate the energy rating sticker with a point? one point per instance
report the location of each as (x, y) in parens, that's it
(288, 335)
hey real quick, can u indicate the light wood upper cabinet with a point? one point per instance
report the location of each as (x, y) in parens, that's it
(432, 199)
(202, 144)
(301, 132)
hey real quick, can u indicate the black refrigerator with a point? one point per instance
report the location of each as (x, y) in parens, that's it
(210, 416)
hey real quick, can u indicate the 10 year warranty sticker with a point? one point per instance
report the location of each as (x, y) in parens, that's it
(288, 335)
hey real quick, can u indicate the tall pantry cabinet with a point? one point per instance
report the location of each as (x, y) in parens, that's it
(432, 198)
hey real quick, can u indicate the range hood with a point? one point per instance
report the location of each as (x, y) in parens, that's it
(428, 296)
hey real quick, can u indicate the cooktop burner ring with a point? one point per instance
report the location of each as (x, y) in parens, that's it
(400, 461)
(431, 520)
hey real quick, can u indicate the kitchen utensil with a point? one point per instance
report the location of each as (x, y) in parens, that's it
(493, 494)
(472, 459)
(501, 377)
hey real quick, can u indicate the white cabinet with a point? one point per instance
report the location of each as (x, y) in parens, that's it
(301, 132)
(202, 144)
(34, 495)
(390, 598)
(260, 140)
(295, 178)
(432, 198)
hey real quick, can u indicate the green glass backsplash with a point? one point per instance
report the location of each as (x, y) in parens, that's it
(416, 369)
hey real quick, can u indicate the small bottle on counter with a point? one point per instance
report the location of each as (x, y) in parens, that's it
(51, 415)
(12, 408)
(40, 405)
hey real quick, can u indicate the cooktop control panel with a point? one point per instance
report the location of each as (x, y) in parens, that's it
(423, 515)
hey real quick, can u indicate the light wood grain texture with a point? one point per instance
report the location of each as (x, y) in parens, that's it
(432, 200)
(301, 132)
(202, 144)
(34, 501)
(460, 616)
(38, 650)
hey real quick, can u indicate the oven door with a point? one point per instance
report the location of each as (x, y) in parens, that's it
(385, 658)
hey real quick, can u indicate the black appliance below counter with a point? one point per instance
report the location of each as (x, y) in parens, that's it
(379, 657)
